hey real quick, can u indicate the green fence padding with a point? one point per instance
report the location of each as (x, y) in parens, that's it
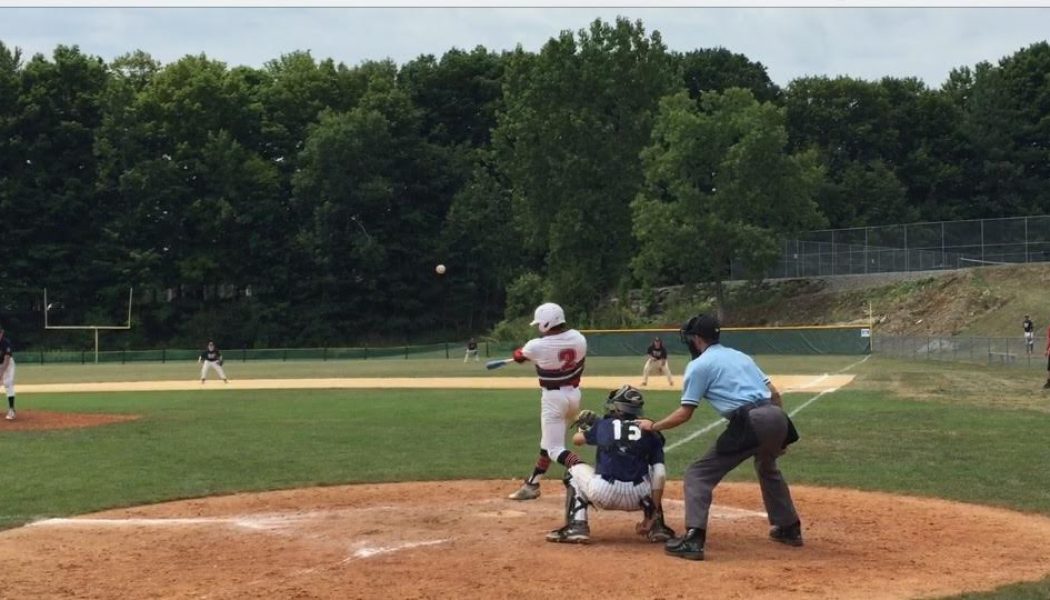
(800, 341)
(852, 340)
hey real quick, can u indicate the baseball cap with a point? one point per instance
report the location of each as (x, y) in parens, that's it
(705, 326)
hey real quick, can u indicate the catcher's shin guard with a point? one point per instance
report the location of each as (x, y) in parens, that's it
(648, 508)
(575, 502)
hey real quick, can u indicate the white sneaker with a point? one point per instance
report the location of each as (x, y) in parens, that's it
(10, 414)
(528, 491)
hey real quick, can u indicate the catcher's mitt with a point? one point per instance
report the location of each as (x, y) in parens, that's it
(585, 420)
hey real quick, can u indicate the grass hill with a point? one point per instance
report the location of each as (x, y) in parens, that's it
(984, 301)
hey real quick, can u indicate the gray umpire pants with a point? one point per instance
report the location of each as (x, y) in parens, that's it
(701, 477)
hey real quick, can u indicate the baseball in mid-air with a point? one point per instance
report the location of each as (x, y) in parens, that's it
(440, 269)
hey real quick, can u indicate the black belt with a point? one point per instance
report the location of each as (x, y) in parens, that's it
(552, 386)
(610, 479)
(743, 410)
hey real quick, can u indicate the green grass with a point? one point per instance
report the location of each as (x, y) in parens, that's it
(965, 433)
(387, 367)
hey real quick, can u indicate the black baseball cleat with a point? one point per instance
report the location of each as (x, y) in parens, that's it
(1046, 386)
(659, 531)
(577, 532)
(689, 546)
(790, 535)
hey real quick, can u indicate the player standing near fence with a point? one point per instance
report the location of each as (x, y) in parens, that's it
(558, 355)
(7, 373)
(472, 350)
(656, 356)
(211, 358)
(1029, 335)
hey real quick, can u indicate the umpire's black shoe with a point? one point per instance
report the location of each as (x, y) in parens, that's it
(790, 535)
(689, 546)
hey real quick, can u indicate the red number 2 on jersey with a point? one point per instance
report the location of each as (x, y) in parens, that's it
(568, 359)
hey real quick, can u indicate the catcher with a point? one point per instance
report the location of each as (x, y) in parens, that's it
(630, 472)
(211, 358)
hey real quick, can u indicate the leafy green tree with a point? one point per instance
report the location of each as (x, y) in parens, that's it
(718, 69)
(374, 220)
(459, 95)
(720, 185)
(50, 171)
(577, 115)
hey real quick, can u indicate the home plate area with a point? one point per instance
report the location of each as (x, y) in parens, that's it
(463, 539)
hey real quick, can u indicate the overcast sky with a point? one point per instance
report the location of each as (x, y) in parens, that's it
(790, 42)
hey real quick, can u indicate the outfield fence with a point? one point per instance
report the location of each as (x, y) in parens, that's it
(928, 246)
(1010, 351)
(787, 340)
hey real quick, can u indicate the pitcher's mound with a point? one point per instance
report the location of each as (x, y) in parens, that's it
(463, 540)
(35, 420)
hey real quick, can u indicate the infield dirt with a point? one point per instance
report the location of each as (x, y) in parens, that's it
(462, 539)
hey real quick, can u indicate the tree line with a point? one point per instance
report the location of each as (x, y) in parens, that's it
(307, 202)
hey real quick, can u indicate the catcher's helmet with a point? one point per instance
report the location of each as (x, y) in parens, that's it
(627, 401)
(548, 316)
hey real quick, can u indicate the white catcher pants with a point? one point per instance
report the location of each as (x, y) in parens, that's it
(608, 495)
(557, 409)
(212, 364)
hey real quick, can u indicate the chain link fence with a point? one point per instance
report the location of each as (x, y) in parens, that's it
(911, 247)
(1011, 351)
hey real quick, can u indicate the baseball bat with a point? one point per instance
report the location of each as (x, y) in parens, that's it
(496, 364)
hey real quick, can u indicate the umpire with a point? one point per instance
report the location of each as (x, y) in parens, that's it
(739, 391)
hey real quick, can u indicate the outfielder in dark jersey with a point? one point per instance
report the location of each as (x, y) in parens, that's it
(1029, 334)
(629, 474)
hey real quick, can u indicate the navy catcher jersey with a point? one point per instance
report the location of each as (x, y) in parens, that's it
(625, 452)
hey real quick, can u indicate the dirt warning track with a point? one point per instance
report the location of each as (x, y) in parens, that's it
(463, 540)
(786, 383)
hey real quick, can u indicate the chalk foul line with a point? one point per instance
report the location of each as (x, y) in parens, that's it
(710, 426)
(370, 551)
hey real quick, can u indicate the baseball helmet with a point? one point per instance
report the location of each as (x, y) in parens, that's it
(627, 401)
(548, 316)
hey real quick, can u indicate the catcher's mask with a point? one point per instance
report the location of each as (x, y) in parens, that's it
(626, 401)
(704, 326)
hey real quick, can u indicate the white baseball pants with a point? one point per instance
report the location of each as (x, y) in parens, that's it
(212, 364)
(557, 409)
(608, 495)
(661, 366)
(9, 378)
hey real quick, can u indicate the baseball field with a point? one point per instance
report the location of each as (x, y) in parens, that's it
(353, 479)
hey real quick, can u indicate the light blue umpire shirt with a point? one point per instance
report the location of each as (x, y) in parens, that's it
(728, 379)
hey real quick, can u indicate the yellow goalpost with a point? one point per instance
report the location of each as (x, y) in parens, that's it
(95, 328)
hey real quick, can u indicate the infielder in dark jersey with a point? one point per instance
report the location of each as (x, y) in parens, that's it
(211, 358)
(7, 373)
(629, 473)
(656, 356)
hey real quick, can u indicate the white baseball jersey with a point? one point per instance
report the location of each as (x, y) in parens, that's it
(559, 358)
